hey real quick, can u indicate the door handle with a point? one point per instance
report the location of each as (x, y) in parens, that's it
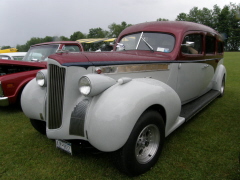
(205, 66)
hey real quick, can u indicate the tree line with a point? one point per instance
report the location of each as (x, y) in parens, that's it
(226, 21)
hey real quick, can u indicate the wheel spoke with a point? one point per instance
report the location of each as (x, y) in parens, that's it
(147, 144)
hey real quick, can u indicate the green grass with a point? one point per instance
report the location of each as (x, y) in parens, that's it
(207, 147)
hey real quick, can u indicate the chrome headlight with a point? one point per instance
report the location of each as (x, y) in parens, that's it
(85, 86)
(41, 79)
(94, 84)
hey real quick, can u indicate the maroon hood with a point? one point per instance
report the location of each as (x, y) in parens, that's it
(22, 63)
(12, 66)
(97, 58)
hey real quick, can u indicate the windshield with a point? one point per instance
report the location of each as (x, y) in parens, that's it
(40, 53)
(153, 41)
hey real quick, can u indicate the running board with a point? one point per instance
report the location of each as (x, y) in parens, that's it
(193, 107)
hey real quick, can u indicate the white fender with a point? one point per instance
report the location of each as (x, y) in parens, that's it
(113, 114)
(33, 100)
(218, 77)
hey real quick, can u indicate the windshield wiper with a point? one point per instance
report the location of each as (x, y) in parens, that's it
(148, 45)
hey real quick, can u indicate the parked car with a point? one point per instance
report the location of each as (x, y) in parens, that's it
(159, 75)
(13, 56)
(14, 75)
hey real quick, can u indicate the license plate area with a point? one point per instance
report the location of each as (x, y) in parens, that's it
(64, 145)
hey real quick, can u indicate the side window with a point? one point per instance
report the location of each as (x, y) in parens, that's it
(220, 47)
(210, 44)
(71, 48)
(192, 44)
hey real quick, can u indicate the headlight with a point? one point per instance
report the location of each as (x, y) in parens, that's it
(41, 79)
(94, 84)
(84, 86)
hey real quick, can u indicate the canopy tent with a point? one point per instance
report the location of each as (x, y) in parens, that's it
(10, 50)
(96, 40)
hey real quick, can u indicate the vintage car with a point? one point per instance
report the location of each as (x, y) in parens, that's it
(14, 75)
(13, 56)
(159, 75)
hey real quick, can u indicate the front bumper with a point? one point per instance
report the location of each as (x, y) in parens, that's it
(4, 101)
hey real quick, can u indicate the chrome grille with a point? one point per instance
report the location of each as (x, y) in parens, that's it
(56, 83)
(78, 118)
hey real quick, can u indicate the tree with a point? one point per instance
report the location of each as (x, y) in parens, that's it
(226, 21)
(95, 33)
(116, 29)
(162, 19)
(77, 35)
(5, 47)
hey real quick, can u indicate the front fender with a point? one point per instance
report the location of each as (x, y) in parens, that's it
(113, 114)
(33, 100)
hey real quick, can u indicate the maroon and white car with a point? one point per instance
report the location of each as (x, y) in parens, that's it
(14, 75)
(159, 75)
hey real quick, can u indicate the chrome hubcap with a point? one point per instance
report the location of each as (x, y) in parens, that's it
(147, 144)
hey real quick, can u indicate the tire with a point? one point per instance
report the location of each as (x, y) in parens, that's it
(222, 89)
(40, 126)
(144, 145)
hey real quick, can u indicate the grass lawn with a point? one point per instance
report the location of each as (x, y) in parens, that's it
(206, 147)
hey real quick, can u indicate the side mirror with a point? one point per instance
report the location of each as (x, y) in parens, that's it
(188, 44)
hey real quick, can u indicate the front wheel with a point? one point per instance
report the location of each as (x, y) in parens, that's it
(40, 126)
(144, 144)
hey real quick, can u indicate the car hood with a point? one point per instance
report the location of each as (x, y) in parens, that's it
(12, 66)
(22, 63)
(108, 58)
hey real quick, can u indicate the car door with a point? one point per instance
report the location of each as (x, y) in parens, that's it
(194, 74)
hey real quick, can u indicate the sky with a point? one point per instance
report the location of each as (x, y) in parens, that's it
(23, 19)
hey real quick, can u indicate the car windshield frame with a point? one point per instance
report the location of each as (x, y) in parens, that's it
(40, 53)
(152, 41)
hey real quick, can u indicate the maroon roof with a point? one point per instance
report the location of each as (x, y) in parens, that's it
(173, 27)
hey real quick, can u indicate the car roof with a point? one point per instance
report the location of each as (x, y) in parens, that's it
(174, 27)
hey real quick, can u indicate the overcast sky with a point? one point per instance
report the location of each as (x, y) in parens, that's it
(23, 19)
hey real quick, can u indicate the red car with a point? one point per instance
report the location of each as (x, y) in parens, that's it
(14, 75)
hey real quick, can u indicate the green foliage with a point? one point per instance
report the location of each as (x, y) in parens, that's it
(95, 33)
(5, 47)
(206, 147)
(116, 29)
(162, 19)
(77, 35)
(226, 21)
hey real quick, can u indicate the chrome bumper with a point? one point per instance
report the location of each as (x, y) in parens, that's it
(4, 101)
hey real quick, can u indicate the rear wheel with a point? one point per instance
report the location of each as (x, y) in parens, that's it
(144, 144)
(40, 126)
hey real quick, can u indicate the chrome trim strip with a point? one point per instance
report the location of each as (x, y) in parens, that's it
(133, 68)
(107, 63)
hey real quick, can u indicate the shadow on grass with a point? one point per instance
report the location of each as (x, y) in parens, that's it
(11, 108)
